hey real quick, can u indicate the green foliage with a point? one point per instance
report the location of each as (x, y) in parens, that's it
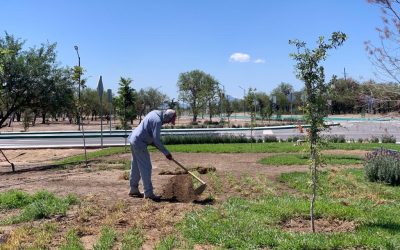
(42, 204)
(334, 139)
(31, 78)
(388, 139)
(198, 89)
(316, 96)
(383, 165)
(72, 241)
(202, 139)
(133, 239)
(106, 240)
(126, 101)
(14, 199)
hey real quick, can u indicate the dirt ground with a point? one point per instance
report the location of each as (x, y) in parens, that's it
(103, 189)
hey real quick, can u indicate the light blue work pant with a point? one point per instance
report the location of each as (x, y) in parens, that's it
(141, 168)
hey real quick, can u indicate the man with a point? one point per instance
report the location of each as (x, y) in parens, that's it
(147, 133)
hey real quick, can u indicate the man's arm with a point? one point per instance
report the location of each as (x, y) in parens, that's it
(157, 140)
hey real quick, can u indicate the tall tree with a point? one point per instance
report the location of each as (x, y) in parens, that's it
(309, 70)
(282, 92)
(147, 100)
(126, 101)
(343, 93)
(193, 88)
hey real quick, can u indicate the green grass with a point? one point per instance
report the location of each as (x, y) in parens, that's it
(92, 155)
(345, 195)
(273, 147)
(42, 204)
(168, 243)
(72, 241)
(303, 159)
(133, 239)
(107, 239)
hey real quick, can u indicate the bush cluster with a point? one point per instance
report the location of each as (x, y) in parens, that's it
(334, 138)
(213, 139)
(383, 165)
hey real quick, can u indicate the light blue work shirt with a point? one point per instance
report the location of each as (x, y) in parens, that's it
(148, 132)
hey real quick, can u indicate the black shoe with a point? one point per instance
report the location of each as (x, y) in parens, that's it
(153, 197)
(136, 194)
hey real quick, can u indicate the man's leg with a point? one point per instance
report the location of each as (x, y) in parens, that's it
(142, 157)
(134, 177)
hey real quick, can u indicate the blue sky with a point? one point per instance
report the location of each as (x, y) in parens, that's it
(240, 42)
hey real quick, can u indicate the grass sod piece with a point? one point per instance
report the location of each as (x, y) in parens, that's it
(14, 199)
(133, 239)
(43, 204)
(72, 241)
(30, 237)
(249, 224)
(168, 243)
(107, 239)
(302, 159)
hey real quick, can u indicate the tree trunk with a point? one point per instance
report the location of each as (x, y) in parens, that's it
(34, 119)
(18, 116)
(11, 119)
(43, 117)
(314, 162)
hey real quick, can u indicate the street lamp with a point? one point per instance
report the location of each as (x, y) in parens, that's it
(79, 87)
(244, 102)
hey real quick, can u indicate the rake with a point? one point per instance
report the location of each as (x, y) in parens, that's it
(199, 190)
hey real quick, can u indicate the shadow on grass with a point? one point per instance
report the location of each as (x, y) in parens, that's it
(391, 227)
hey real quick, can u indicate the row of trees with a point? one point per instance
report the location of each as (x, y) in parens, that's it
(32, 85)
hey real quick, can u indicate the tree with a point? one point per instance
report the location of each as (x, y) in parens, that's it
(385, 56)
(194, 86)
(25, 76)
(312, 74)
(343, 93)
(264, 104)
(126, 101)
(211, 94)
(149, 99)
(282, 92)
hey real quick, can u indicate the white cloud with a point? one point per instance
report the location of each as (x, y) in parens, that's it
(239, 57)
(259, 61)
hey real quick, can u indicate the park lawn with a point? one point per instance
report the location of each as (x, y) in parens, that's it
(258, 223)
(273, 147)
(304, 159)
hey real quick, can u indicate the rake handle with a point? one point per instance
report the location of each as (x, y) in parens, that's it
(197, 178)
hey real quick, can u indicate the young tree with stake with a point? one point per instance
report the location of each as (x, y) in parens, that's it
(312, 74)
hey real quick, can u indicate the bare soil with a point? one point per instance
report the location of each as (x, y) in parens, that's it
(321, 225)
(104, 191)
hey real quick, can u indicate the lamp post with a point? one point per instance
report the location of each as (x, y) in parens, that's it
(244, 102)
(79, 87)
(79, 104)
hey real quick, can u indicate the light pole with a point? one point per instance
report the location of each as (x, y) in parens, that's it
(244, 102)
(79, 104)
(222, 98)
(79, 87)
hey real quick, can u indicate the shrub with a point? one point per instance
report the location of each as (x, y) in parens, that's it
(203, 139)
(383, 165)
(335, 138)
(374, 139)
(388, 139)
(270, 138)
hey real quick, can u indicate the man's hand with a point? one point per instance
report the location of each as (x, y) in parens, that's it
(169, 156)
